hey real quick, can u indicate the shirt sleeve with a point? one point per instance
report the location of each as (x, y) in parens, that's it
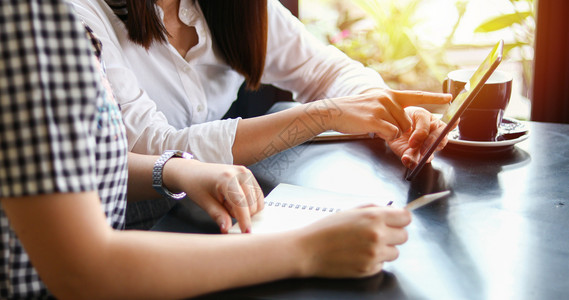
(148, 130)
(47, 108)
(298, 62)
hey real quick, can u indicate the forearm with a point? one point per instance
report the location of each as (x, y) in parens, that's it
(189, 265)
(140, 177)
(296, 61)
(261, 137)
(78, 255)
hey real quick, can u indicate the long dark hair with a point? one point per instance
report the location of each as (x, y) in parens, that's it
(238, 27)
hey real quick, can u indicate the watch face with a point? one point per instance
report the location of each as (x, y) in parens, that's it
(180, 153)
(186, 155)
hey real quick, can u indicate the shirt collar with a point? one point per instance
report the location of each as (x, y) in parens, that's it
(189, 13)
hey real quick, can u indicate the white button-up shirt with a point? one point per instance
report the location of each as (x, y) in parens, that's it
(174, 102)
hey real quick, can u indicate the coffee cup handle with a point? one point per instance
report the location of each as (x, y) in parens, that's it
(445, 85)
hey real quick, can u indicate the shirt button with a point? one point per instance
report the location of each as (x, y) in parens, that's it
(184, 15)
(186, 69)
(200, 108)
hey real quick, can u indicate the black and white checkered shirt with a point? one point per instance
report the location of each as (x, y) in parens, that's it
(60, 128)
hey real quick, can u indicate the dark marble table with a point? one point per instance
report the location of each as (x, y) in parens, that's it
(502, 234)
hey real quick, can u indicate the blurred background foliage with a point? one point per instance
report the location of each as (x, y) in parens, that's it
(384, 35)
(522, 25)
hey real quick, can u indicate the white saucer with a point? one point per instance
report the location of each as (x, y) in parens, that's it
(503, 142)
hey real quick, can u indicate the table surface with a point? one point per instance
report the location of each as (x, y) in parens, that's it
(502, 234)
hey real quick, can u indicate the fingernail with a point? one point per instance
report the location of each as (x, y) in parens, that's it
(222, 226)
(406, 161)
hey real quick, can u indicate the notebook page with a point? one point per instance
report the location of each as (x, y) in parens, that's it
(289, 207)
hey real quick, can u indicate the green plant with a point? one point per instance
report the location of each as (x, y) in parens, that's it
(522, 24)
(381, 34)
(390, 45)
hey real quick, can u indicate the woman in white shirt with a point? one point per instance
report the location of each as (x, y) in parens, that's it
(65, 179)
(178, 72)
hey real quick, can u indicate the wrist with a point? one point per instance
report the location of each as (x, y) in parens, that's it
(324, 113)
(301, 247)
(179, 174)
(162, 177)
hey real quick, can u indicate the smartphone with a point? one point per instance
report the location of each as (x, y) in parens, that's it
(461, 102)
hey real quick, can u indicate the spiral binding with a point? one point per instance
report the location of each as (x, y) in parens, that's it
(302, 207)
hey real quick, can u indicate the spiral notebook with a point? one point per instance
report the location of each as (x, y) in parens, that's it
(290, 206)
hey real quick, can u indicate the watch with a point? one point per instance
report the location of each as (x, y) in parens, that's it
(157, 182)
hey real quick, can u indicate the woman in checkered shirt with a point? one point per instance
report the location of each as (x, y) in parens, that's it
(63, 186)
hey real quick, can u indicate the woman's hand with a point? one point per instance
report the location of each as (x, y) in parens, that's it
(380, 111)
(413, 144)
(353, 243)
(223, 191)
